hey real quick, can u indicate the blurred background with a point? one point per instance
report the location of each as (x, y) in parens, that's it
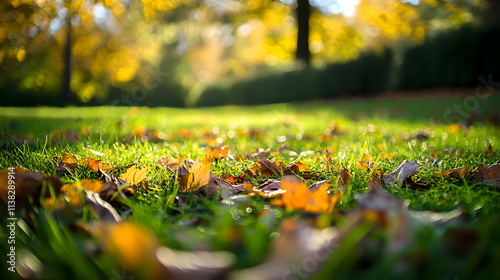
(185, 53)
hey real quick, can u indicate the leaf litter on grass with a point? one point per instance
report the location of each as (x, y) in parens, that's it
(308, 197)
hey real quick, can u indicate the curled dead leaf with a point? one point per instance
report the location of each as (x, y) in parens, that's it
(399, 175)
(344, 180)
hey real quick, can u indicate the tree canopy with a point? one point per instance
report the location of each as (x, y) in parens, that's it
(90, 46)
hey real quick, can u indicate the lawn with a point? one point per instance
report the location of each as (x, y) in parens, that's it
(286, 191)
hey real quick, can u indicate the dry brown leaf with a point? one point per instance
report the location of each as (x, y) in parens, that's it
(399, 175)
(489, 151)
(460, 172)
(344, 180)
(488, 174)
(318, 185)
(23, 184)
(260, 154)
(268, 168)
(195, 265)
(101, 208)
(377, 199)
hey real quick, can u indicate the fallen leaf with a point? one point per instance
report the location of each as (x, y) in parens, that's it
(299, 197)
(269, 168)
(270, 185)
(318, 185)
(68, 161)
(135, 176)
(73, 191)
(198, 176)
(260, 154)
(232, 179)
(460, 172)
(103, 209)
(405, 170)
(488, 174)
(344, 180)
(24, 184)
(170, 162)
(489, 151)
(195, 265)
(225, 188)
(93, 163)
(296, 167)
(216, 153)
(185, 133)
(379, 200)
(409, 183)
(132, 246)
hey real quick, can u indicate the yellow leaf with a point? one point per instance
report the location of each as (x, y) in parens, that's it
(198, 176)
(68, 160)
(135, 176)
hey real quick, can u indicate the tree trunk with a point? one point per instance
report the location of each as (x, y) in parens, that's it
(303, 11)
(66, 79)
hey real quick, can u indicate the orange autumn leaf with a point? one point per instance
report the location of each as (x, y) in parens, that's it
(73, 190)
(185, 133)
(296, 167)
(445, 173)
(93, 163)
(299, 197)
(233, 180)
(135, 176)
(138, 131)
(216, 153)
(132, 245)
(387, 156)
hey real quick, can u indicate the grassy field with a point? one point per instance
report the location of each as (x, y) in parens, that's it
(168, 221)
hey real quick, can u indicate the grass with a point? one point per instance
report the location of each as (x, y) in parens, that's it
(59, 244)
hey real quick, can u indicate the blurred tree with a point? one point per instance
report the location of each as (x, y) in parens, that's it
(303, 11)
(85, 45)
